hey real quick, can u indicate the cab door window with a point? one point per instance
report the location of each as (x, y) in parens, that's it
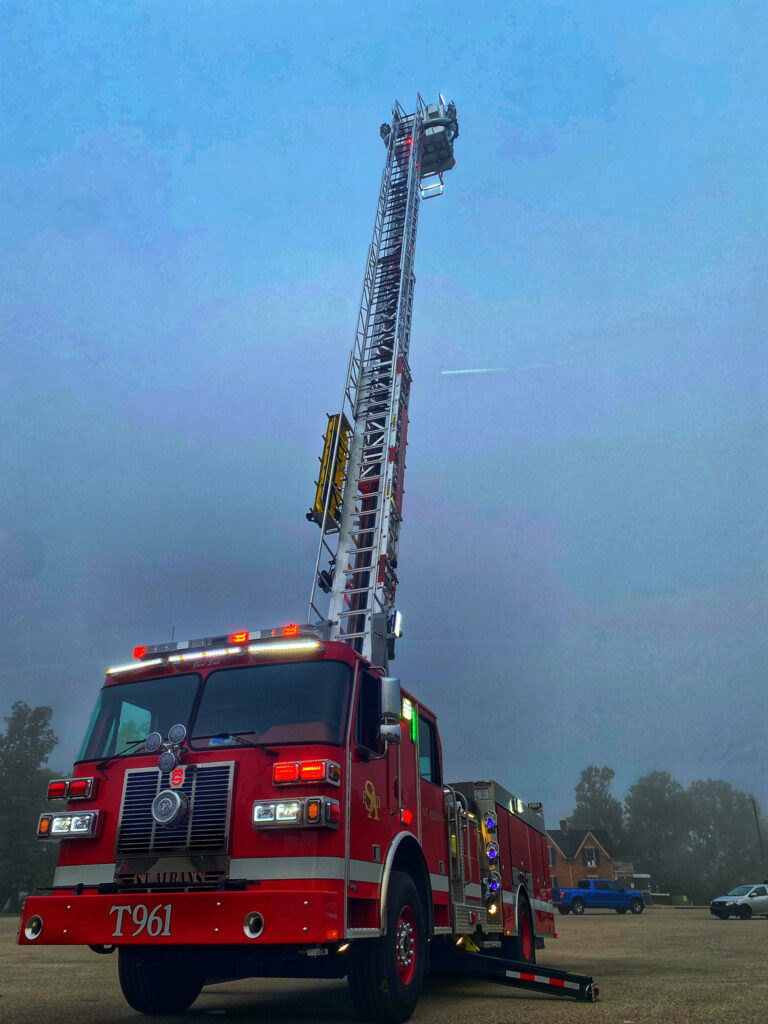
(429, 758)
(368, 713)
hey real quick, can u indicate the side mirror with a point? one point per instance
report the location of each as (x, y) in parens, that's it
(390, 733)
(390, 698)
(389, 729)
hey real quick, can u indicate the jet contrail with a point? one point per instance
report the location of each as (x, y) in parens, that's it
(485, 369)
(503, 369)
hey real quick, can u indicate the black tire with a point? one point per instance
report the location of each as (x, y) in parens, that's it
(563, 910)
(578, 906)
(385, 975)
(523, 947)
(158, 981)
(721, 915)
(745, 913)
(621, 910)
(636, 906)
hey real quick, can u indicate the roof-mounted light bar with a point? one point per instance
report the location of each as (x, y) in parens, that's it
(283, 640)
(240, 637)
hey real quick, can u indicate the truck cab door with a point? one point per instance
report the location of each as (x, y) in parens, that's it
(371, 805)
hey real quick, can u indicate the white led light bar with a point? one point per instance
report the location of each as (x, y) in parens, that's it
(281, 647)
(201, 655)
(135, 665)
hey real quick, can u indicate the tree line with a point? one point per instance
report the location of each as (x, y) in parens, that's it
(25, 746)
(699, 841)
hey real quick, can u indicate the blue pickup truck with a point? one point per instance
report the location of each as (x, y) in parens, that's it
(598, 893)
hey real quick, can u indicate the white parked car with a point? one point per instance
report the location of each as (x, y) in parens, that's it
(744, 901)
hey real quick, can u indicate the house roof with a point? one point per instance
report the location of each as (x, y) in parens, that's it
(570, 842)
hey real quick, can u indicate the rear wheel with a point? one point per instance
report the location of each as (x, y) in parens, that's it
(621, 910)
(578, 905)
(745, 913)
(563, 910)
(385, 975)
(157, 981)
(636, 906)
(526, 944)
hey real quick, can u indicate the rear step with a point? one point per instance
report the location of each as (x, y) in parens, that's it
(525, 975)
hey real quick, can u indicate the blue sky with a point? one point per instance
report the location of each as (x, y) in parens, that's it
(188, 192)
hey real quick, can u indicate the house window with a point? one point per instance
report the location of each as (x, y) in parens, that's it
(590, 857)
(552, 857)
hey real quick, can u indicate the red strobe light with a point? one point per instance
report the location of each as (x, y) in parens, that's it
(291, 630)
(80, 788)
(312, 771)
(240, 638)
(57, 790)
(139, 652)
(285, 772)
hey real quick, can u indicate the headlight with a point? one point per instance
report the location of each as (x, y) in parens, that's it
(62, 826)
(288, 811)
(309, 812)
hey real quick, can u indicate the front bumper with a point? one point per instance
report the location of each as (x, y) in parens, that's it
(718, 909)
(186, 918)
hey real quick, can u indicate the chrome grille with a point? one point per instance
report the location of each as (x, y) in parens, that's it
(205, 829)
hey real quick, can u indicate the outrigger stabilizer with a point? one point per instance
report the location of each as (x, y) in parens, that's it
(524, 975)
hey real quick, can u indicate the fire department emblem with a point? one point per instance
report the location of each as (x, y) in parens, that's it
(371, 802)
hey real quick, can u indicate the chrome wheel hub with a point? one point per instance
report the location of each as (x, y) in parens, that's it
(405, 944)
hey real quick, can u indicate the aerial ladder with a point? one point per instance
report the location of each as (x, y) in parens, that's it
(359, 496)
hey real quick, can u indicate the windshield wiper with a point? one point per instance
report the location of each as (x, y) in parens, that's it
(241, 737)
(114, 757)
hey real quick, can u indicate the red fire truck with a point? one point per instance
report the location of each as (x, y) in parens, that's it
(272, 803)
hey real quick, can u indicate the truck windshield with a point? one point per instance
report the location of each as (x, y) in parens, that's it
(127, 712)
(303, 702)
(286, 703)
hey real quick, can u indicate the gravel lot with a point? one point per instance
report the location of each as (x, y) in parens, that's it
(663, 967)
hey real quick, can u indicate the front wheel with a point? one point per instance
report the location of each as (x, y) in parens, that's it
(621, 910)
(157, 981)
(636, 906)
(385, 975)
(745, 913)
(563, 910)
(578, 905)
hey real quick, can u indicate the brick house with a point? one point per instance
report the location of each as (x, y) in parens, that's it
(576, 853)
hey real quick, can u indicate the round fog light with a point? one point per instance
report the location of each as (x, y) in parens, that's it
(253, 925)
(33, 927)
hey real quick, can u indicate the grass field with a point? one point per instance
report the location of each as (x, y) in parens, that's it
(664, 967)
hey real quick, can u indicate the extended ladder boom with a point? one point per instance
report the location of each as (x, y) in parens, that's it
(359, 498)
